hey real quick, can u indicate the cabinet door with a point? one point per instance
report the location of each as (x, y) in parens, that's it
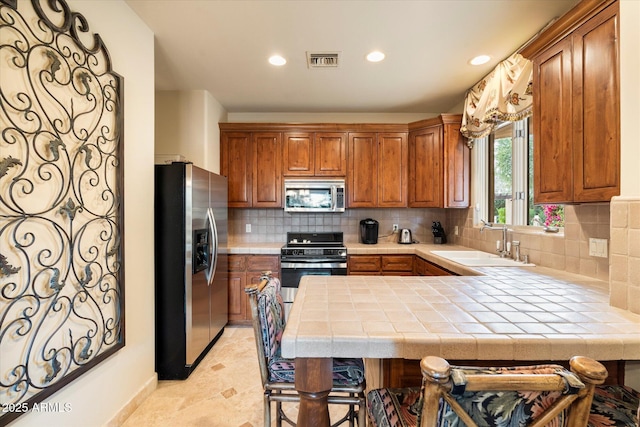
(426, 268)
(330, 154)
(397, 264)
(596, 108)
(392, 170)
(425, 168)
(362, 181)
(267, 170)
(364, 264)
(235, 159)
(297, 154)
(457, 165)
(552, 125)
(238, 299)
(260, 263)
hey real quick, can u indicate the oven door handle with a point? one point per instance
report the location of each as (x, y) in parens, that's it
(313, 265)
(298, 260)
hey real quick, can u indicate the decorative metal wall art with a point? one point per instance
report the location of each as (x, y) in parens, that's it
(61, 203)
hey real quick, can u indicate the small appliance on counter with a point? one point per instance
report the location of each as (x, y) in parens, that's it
(369, 231)
(404, 236)
(439, 235)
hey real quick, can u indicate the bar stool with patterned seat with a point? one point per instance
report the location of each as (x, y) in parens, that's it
(531, 396)
(278, 373)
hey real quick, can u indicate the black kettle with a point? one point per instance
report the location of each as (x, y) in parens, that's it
(369, 231)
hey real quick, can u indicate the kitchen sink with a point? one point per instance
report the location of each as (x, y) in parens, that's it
(479, 259)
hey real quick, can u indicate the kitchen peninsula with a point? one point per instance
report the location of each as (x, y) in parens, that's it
(518, 314)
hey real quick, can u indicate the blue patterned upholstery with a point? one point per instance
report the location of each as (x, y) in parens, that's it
(399, 407)
(394, 407)
(614, 406)
(402, 407)
(272, 322)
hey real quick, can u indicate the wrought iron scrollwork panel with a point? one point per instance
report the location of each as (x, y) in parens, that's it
(61, 201)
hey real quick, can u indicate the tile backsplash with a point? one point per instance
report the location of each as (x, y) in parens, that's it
(624, 284)
(272, 225)
(568, 251)
(617, 222)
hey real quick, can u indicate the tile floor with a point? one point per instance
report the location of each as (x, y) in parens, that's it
(224, 390)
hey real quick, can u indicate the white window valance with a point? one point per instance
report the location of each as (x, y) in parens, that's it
(503, 95)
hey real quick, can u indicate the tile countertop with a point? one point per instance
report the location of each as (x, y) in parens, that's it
(518, 313)
(509, 314)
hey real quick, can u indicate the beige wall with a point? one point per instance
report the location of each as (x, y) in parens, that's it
(187, 125)
(103, 391)
(401, 118)
(625, 213)
(630, 96)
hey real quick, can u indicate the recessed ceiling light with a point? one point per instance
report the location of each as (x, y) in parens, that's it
(375, 56)
(277, 60)
(480, 59)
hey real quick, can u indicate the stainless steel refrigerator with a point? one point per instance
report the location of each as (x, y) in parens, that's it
(190, 266)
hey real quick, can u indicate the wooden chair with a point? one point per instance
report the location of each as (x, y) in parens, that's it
(534, 396)
(278, 374)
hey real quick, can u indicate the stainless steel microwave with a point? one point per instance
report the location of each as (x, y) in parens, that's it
(314, 195)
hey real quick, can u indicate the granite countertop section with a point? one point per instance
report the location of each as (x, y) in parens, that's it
(509, 314)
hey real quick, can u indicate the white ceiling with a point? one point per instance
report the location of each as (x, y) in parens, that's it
(223, 46)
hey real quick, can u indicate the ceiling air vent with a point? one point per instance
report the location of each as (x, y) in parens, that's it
(323, 59)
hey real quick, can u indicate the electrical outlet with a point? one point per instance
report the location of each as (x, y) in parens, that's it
(395, 227)
(455, 230)
(598, 248)
(247, 228)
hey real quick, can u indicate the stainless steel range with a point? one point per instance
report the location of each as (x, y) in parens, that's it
(318, 254)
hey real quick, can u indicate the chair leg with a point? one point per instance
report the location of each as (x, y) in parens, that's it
(267, 411)
(352, 415)
(362, 412)
(279, 414)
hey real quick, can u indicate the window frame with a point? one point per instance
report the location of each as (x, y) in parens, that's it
(483, 177)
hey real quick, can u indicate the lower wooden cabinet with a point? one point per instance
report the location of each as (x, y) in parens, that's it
(397, 265)
(244, 270)
(389, 265)
(394, 265)
(426, 268)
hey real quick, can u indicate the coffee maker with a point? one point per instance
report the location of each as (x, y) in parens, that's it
(369, 231)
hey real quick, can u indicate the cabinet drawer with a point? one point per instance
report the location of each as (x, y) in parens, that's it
(397, 263)
(237, 262)
(263, 263)
(364, 263)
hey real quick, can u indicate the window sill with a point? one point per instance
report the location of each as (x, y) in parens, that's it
(531, 230)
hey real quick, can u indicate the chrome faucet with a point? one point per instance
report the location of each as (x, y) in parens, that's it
(504, 250)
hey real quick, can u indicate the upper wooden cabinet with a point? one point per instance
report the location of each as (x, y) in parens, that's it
(252, 163)
(236, 152)
(576, 110)
(267, 170)
(377, 172)
(384, 165)
(314, 154)
(439, 163)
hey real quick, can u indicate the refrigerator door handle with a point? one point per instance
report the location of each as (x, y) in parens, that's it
(213, 263)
